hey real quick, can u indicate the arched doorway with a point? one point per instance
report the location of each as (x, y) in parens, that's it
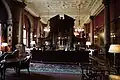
(26, 31)
(3, 23)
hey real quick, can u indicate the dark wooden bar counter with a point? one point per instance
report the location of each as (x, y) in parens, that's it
(60, 56)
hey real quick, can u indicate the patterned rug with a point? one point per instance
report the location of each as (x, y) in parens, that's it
(55, 68)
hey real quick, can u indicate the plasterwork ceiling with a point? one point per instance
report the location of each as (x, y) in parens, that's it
(78, 9)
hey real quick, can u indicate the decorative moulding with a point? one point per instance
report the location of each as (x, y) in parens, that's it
(31, 12)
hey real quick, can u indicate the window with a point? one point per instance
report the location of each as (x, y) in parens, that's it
(0, 35)
(24, 37)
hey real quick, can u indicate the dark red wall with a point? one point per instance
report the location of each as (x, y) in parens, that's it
(99, 20)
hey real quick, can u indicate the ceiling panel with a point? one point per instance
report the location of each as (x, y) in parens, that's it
(78, 9)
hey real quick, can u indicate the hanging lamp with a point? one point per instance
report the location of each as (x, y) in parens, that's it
(47, 28)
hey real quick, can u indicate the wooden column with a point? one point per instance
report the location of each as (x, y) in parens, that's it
(20, 38)
(92, 30)
(107, 26)
(38, 30)
(19, 8)
(71, 38)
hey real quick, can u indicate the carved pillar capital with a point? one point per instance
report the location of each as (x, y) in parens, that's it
(92, 17)
(9, 22)
(38, 18)
(106, 2)
(20, 3)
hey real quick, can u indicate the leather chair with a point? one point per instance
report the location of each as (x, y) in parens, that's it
(14, 64)
(2, 75)
(24, 64)
(12, 55)
(2, 56)
(2, 60)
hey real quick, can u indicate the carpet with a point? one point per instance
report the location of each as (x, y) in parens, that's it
(55, 68)
(41, 71)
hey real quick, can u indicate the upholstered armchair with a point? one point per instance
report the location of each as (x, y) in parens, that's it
(7, 64)
(3, 56)
(2, 75)
(14, 54)
(24, 64)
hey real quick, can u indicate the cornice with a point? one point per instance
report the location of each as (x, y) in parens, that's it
(92, 5)
(96, 8)
(100, 8)
(31, 12)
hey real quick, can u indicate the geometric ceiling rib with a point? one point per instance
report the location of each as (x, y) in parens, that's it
(78, 9)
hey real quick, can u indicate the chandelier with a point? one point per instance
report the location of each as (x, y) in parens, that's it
(47, 28)
(79, 15)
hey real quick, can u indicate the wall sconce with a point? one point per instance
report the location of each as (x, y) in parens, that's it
(35, 35)
(95, 37)
(112, 35)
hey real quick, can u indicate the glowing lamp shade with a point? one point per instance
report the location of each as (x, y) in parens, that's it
(88, 43)
(114, 48)
(76, 33)
(32, 42)
(4, 44)
(114, 77)
(47, 29)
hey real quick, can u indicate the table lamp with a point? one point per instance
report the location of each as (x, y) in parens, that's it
(4, 46)
(88, 43)
(32, 43)
(114, 48)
